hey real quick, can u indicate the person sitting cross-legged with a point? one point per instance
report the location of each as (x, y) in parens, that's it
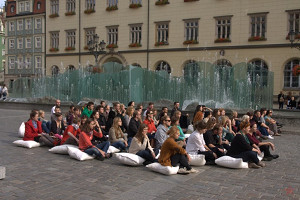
(71, 134)
(213, 139)
(116, 135)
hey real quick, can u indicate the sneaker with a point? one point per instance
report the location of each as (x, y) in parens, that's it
(100, 158)
(277, 134)
(261, 164)
(265, 137)
(253, 165)
(183, 171)
(275, 156)
(268, 158)
(270, 137)
(192, 170)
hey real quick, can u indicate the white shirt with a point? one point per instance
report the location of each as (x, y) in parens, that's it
(195, 142)
(53, 110)
(4, 89)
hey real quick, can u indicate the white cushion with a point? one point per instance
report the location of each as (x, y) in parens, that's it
(78, 154)
(190, 129)
(130, 159)
(230, 162)
(113, 149)
(197, 160)
(261, 156)
(28, 144)
(166, 170)
(21, 131)
(62, 149)
(187, 135)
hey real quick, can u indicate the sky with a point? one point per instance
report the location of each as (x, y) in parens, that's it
(2, 3)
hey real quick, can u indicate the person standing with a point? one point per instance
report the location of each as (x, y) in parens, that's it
(57, 103)
(4, 92)
(281, 100)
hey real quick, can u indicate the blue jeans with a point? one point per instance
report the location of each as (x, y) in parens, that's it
(46, 126)
(248, 156)
(146, 154)
(263, 131)
(94, 151)
(119, 145)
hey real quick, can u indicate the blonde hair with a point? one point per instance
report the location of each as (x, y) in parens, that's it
(129, 111)
(41, 112)
(172, 131)
(245, 118)
(117, 128)
(224, 120)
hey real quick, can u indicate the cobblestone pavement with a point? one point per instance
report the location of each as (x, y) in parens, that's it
(37, 174)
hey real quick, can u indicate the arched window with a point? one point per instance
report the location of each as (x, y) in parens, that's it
(190, 69)
(163, 65)
(223, 63)
(55, 70)
(136, 65)
(291, 81)
(71, 67)
(12, 9)
(258, 68)
(38, 5)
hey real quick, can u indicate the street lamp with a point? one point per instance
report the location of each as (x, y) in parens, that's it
(292, 37)
(96, 48)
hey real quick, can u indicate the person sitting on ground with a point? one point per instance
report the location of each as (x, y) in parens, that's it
(151, 127)
(164, 111)
(263, 113)
(292, 103)
(150, 107)
(207, 115)
(57, 126)
(184, 121)
(71, 134)
(116, 136)
(222, 114)
(85, 144)
(262, 127)
(262, 146)
(128, 116)
(213, 140)
(134, 124)
(103, 103)
(46, 125)
(212, 122)
(228, 133)
(131, 103)
(241, 148)
(95, 117)
(216, 114)
(175, 122)
(161, 133)
(70, 115)
(122, 109)
(235, 121)
(140, 145)
(271, 123)
(156, 122)
(57, 104)
(88, 110)
(175, 108)
(56, 110)
(196, 143)
(199, 113)
(83, 119)
(115, 112)
(106, 111)
(102, 120)
(34, 132)
(172, 154)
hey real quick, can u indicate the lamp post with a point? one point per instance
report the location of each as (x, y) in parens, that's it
(96, 48)
(294, 40)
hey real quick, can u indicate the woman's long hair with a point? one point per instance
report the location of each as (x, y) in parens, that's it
(139, 135)
(117, 128)
(86, 126)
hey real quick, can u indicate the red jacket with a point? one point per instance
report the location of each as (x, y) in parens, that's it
(150, 124)
(66, 136)
(85, 140)
(30, 131)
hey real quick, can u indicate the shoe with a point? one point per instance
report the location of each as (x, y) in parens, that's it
(260, 139)
(183, 171)
(253, 165)
(192, 170)
(277, 134)
(100, 158)
(275, 156)
(270, 137)
(108, 155)
(269, 158)
(261, 164)
(264, 137)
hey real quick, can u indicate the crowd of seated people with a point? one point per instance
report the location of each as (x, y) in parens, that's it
(94, 128)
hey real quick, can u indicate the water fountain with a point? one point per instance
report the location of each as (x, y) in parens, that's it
(238, 87)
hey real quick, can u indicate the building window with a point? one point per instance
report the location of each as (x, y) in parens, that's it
(38, 42)
(136, 34)
(54, 40)
(12, 9)
(28, 43)
(223, 28)
(54, 7)
(20, 43)
(136, 2)
(38, 23)
(291, 81)
(28, 24)
(259, 71)
(38, 62)
(191, 29)
(3, 53)
(162, 33)
(28, 63)
(71, 5)
(71, 39)
(112, 35)
(294, 21)
(90, 4)
(11, 26)
(27, 6)
(258, 26)
(111, 3)
(21, 6)
(38, 6)
(20, 63)
(54, 70)
(163, 65)
(89, 35)
(11, 43)
(71, 67)
(20, 25)
(11, 63)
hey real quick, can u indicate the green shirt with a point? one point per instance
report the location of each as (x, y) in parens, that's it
(87, 112)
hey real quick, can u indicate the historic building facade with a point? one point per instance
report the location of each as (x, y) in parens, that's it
(166, 35)
(25, 39)
(2, 45)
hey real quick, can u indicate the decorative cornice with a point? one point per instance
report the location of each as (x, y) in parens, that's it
(258, 13)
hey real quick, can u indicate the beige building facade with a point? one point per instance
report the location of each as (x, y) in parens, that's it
(168, 36)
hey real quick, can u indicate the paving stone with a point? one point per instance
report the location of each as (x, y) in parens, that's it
(2, 172)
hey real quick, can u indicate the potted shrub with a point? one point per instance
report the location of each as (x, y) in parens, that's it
(161, 2)
(111, 8)
(70, 13)
(53, 49)
(111, 46)
(221, 40)
(257, 38)
(89, 11)
(190, 0)
(135, 5)
(53, 15)
(69, 48)
(191, 42)
(135, 45)
(162, 43)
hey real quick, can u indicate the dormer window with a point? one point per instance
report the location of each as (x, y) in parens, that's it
(12, 9)
(38, 6)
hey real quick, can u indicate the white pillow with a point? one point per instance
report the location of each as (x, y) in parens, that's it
(197, 160)
(130, 159)
(113, 149)
(230, 162)
(78, 154)
(21, 131)
(187, 135)
(62, 149)
(190, 129)
(28, 144)
(261, 156)
(166, 170)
